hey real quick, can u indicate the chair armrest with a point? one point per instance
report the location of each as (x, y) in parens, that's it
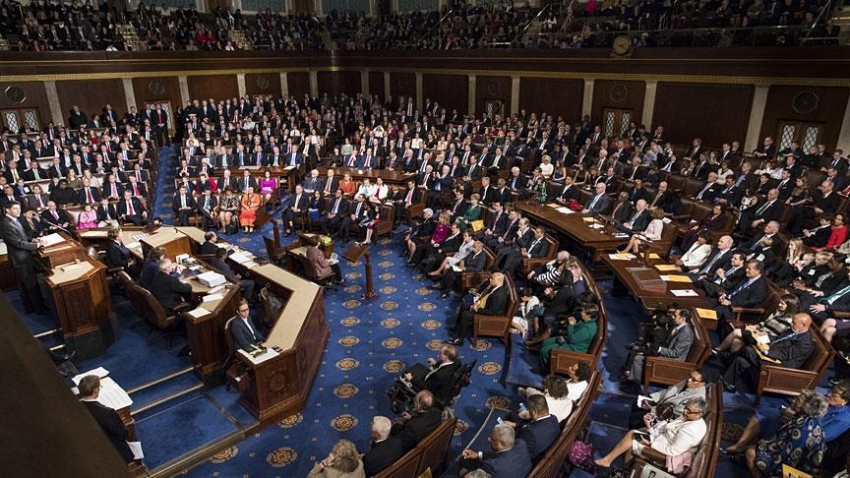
(665, 371)
(469, 280)
(562, 359)
(841, 315)
(492, 326)
(787, 381)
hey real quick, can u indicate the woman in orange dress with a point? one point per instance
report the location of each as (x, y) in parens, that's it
(250, 204)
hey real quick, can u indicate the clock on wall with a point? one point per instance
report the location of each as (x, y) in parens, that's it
(622, 46)
(15, 94)
(805, 102)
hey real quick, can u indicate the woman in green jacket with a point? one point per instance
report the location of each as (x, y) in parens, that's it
(472, 213)
(576, 336)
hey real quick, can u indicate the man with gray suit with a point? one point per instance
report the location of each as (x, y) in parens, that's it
(598, 203)
(20, 249)
(474, 262)
(677, 347)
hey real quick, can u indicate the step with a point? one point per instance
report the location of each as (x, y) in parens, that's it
(167, 402)
(164, 388)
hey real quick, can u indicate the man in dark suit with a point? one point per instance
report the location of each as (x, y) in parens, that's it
(411, 197)
(337, 210)
(106, 211)
(438, 376)
(384, 449)
(790, 349)
(117, 254)
(209, 246)
(677, 347)
(509, 457)
(662, 198)
(55, 219)
(638, 220)
(358, 212)
(492, 301)
(130, 209)
(756, 217)
(537, 247)
(167, 288)
(19, 250)
(598, 203)
(419, 423)
(723, 279)
(244, 330)
(543, 429)
(183, 205)
(623, 209)
(297, 205)
(474, 262)
(710, 190)
(750, 293)
(568, 192)
(88, 194)
(108, 419)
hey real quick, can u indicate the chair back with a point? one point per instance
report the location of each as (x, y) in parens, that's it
(700, 348)
(310, 271)
(152, 310)
(406, 467)
(435, 446)
(228, 337)
(704, 461)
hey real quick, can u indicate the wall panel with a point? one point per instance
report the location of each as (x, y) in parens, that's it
(403, 84)
(262, 84)
(80, 93)
(155, 89)
(626, 95)
(715, 113)
(336, 82)
(492, 88)
(35, 97)
(825, 105)
(298, 84)
(557, 97)
(451, 91)
(217, 87)
(376, 84)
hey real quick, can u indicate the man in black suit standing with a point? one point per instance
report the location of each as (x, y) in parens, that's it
(167, 288)
(492, 301)
(20, 250)
(183, 205)
(244, 330)
(107, 418)
(384, 449)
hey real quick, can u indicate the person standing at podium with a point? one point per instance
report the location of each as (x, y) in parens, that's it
(20, 249)
(244, 330)
(107, 418)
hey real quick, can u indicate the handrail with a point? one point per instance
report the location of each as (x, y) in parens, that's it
(440, 22)
(525, 28)
(818, 19)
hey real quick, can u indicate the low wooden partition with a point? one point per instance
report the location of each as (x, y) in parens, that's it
(279, 386)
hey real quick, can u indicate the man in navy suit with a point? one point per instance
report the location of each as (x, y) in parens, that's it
(750, 293)
(542, 431)
(638, 220)
(245, 332)
(598, 203)
(509, 458)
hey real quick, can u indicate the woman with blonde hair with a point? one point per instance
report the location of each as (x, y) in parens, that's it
(342, 462)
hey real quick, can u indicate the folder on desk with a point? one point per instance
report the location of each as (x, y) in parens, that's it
(666, 268)
(677, 278)
(710, 314)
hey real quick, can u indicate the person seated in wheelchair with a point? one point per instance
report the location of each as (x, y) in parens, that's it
(438, 376)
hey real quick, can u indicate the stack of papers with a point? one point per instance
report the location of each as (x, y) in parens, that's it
(52, 239)
(240, 257)
(565, 210)
(666, 268)
(676, 278)
(269, 354)
(685, 293)
(623, 256)
(198, 313)
(212, 297)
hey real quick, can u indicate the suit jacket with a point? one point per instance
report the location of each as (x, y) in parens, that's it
(242, 337)
(382, 455)
(95, 194)
(772, 213)
(168, 290)
(509, 463)
(177, 203)
(641, 221)
(117, 255)
(601, 205)
(209, 248)
(622, 212)
(47, 218)
(101, 213)
(137, 206)
(539, 435)
(106, 190)
(710, 194)
(678, 344)
(475, 263)
(792, 349)
(497, 302)
(112, 426)
(302, 203)
(439, 381)
(19, 246)
(417, 428)
(749, 296)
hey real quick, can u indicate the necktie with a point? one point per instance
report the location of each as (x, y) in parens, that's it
(40, 202)
(711, 262)
(707, 186)
(136, 190)
(328, 186)
(593, 202)
(763, 208)
(114, 190)
(55, 215)
(183, 201)
(409, 199)
(336, 207)
(741, 287)
(832, 298)
(89, 198)
(130, 210)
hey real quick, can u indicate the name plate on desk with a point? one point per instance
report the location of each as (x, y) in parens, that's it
(647, 279)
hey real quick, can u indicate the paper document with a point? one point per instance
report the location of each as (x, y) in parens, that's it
(565, 210)
(100, 372)
(134, 245)
(112, 395)
(212, 297)
(675, 278)
(653, 255)
(706, 313)
(685, 293)
(3, 249)
(641, 399)
(621, 235)
(215, 289)
(623, 256)
(52, 239)
(198, 313)
(596, 226)
(136, 448)
(666, 268)
(239, 257)
(250, 264)
(588, 219)
(269, 354)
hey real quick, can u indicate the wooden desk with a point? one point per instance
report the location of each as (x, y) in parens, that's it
(83, 306)
(653, 299)
(390, 178)
(174, 242)
(574, 226)
(65, 252)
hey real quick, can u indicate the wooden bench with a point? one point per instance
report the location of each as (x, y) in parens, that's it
(704, 462)
(789, 381)
(668, 371)
(429, 454)
(499, 325)
(553, 461)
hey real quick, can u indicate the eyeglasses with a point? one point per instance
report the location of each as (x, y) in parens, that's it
(690, 412)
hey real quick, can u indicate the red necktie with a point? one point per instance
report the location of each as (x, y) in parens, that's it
(136, 190)
(409, 197)
(114, 190)
(130, 210)
(88, 196)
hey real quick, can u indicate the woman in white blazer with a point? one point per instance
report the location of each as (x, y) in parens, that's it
(697, 254)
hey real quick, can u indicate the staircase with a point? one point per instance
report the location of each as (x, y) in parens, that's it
(131, 37)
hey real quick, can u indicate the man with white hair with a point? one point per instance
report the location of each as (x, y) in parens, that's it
(167, 287)
(508, 458)
(385, 449)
